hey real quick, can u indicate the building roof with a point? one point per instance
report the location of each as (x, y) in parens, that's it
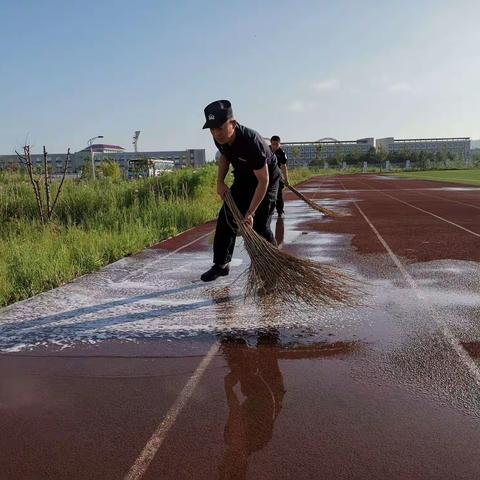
(101, 147)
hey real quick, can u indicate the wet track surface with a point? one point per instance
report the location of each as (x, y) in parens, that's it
(142, 354)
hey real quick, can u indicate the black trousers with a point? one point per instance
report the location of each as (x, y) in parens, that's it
(225, 233)
(280, 205)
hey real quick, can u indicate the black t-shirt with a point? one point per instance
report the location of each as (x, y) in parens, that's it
(281, 156)
(247, 153)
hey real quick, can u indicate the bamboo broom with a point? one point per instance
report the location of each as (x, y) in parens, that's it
(311, 203)
(287, 279)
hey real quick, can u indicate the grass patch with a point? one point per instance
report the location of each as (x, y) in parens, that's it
(470, 177)
(97, 223)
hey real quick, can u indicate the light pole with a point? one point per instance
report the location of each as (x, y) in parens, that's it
(91, 153)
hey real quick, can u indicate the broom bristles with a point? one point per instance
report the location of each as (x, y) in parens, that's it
(311, 203)
(286, 279)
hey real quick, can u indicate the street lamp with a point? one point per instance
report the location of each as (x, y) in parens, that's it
(91, 153)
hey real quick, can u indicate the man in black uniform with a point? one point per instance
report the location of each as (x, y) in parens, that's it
(255, 184)
(282, 163)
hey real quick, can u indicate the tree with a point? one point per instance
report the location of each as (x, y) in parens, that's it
(475, 159)
(356, 158)
(86, 171)
(317, 162)
(351, 159)
(318, 153)
(42, 189)
(339, 157)
(371, 155)
(382, 155)
(441, 159)
(296, 154)
(111, 169)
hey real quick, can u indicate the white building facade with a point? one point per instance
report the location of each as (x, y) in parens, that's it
(180, 158)
(458, 146)
(326, 149)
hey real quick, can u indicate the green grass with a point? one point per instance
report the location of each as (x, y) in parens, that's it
(471, 177)
(97, 223)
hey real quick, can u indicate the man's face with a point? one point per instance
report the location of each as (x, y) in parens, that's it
(224, 133)
(275, 145)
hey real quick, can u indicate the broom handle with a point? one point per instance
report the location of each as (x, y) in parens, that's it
(326, 211)
(296, 192)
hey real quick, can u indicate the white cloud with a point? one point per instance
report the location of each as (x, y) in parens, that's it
(297, 106)
(399, 87)
(326, 85)
(301, 106)
(309, 102)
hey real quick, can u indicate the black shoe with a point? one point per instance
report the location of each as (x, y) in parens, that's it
(215, 272)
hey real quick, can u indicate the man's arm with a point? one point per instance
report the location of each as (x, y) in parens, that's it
(260, 191)
(223, 166)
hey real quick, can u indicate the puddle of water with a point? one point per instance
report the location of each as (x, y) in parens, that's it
(160, 300)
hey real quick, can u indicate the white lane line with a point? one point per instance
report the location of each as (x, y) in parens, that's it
(188, 244)
(443, 180)
(422, 210)
(448, 200)
(447, 333)
(421, 191)
(440, 189)
(146, 456)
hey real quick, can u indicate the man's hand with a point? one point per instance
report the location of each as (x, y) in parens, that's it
(221, 189)
(248, 220)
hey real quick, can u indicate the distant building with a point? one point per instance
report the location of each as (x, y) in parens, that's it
(102, 148)
(325, 149)
(56, 160)
(180, 158)
(457, 146)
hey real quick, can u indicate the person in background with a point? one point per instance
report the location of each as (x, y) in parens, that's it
(282, 163)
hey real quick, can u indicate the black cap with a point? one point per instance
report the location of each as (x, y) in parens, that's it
(217, 113)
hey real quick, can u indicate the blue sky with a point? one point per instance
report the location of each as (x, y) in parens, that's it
(304, 70)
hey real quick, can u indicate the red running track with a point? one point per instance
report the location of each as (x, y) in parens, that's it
(390, 390)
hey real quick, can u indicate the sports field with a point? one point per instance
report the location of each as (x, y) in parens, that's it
(140, 371)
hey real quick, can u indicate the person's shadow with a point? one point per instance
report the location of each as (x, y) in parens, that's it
(255, 404)
(254, 386)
